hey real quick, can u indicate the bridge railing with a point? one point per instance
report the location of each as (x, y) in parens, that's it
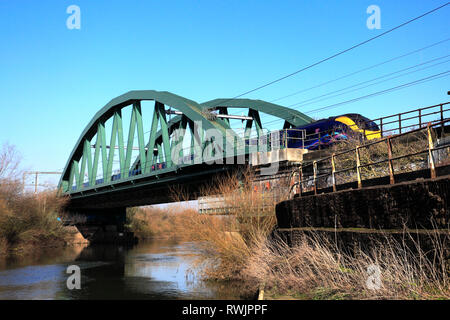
(405, 121)
(422, 148)
(389, 125)
(312, 141)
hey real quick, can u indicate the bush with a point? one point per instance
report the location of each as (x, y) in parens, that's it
(229, 240)
(26, 220)
(31, 220)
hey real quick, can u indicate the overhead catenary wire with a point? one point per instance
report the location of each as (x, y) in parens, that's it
(433, 77)
(330, 95)
(405, 85)
(385, 91)
(338, 53)
(412, 83)
(370, 80)
(357, 72)
(399, 87)
(362, 70)
(352, 73)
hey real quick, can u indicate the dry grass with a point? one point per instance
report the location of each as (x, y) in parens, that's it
(236, 247)
(26, 220)
(30, 220)
(3, 246)
(229, 241)
(222, 247)
(316, 269)
(151, 222)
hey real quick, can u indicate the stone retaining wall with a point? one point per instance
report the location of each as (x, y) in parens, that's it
(423, 204)
(415, 214)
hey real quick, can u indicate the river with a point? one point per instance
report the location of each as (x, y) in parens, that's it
(159, 269)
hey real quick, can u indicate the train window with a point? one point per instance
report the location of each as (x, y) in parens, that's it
(369, 124)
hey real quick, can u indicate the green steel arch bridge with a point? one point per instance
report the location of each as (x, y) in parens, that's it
(188, 144)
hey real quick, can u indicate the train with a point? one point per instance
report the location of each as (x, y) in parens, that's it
(325, 132)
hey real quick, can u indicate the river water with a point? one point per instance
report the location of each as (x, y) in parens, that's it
(154, 270)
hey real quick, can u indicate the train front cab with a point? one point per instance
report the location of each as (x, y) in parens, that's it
(358, 123)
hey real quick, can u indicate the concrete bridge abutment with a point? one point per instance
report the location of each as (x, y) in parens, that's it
(106, 225)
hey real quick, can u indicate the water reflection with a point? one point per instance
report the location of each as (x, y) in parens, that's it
(36, 276)
(155, 270)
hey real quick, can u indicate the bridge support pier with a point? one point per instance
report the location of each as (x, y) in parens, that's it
(102, 225)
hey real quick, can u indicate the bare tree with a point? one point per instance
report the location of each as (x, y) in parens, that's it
(10, 174)
(9, 162)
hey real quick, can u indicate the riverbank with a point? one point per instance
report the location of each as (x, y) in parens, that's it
(29, 222)
(227, 242)
(242, 247)
(316, 269)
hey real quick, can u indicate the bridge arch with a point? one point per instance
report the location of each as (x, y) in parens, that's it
(293, 118)
(155, 154)
(81, 158)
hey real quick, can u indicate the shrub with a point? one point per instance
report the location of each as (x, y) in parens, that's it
(26, 220)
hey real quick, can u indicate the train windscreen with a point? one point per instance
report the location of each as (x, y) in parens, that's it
(363, 122)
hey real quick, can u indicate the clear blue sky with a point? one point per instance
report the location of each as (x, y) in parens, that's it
(53, 80)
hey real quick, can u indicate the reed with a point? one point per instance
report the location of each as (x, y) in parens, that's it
(317, 269)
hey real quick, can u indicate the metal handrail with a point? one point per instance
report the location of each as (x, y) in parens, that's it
(302, 181)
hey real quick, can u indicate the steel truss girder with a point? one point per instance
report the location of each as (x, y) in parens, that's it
(163, 140)
(293, 118)
(159, 139)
